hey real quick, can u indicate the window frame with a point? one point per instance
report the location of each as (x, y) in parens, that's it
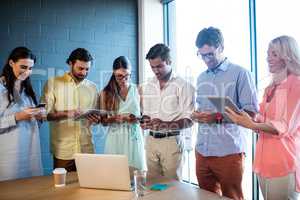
(168, 29)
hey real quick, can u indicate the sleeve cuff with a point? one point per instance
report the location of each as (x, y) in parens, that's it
(8, 121)
(186, 115)
(280, 126)
(12, 120)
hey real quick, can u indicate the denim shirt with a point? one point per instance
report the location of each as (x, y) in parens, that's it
(227, 80)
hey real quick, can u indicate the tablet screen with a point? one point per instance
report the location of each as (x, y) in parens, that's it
(221, 102)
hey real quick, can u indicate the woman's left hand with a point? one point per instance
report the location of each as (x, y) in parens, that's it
(129, 118)
(242, 119)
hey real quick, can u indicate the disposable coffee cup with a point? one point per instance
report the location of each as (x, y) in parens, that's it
(59, 175)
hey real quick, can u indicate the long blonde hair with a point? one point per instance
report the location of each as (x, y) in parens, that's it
(287, 49)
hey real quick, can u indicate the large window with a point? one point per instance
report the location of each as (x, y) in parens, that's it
(280, 20)
(269, 19)
(232, 17)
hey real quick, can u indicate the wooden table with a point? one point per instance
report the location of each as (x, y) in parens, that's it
(42, 188)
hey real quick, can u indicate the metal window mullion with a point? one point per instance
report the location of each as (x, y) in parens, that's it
(253, 60)
(166, 24)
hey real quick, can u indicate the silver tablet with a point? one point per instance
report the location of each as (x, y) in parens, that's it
(221, 102)
(87, 112)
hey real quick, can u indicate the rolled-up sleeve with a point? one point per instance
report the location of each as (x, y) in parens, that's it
(281, 126)
(247, 92)
(288, 123)
(187, 100)
(7, 122)
(48, 96)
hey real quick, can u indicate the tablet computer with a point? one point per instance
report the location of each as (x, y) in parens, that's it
(221, 102)
(88, 112)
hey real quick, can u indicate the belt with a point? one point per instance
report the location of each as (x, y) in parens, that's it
(163, 135)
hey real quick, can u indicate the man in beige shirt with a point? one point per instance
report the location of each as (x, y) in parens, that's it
(169, 101)
(66, 97)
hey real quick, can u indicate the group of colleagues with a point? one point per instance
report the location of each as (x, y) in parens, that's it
(163, 107)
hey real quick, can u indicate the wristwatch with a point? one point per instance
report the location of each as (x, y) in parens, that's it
(219, 118)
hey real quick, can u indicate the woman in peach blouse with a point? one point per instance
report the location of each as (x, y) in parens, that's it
(277, 157)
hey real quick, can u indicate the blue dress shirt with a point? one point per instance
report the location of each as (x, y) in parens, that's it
(226, 80)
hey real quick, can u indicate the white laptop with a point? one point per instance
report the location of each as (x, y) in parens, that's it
(103, 171)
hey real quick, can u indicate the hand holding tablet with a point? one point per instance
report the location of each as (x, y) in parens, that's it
(86, 113)
(221, 103)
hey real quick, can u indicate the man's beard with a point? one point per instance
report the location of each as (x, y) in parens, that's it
(78, 78)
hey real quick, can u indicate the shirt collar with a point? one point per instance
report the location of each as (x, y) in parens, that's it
(69, 78)
(173, 75)
(222, 67)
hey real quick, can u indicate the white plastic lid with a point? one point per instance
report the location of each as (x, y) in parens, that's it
(59, 171)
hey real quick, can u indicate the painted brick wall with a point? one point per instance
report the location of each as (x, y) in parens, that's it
(53, 28)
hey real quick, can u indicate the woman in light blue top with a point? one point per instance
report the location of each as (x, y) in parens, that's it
(20, 154)
(121, 97)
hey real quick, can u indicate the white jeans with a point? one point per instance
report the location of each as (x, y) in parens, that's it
(279, 188)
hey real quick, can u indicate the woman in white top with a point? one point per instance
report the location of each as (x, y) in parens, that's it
(20, 154)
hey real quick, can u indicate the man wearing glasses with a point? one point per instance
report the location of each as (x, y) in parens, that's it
(168, 101)
(221, 146)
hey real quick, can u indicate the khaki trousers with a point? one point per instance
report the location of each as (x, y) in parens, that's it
(163, 157)
(278, 188)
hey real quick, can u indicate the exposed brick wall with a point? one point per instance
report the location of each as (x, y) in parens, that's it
(53, 28)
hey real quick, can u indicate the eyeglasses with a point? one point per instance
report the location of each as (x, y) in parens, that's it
(121, 76)
(209, 55)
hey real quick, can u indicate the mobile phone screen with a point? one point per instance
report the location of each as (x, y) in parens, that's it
(41, 105)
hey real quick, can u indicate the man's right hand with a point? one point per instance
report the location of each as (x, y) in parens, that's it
(203, 117)
(62, 115)
(73, 113)
(145, 122)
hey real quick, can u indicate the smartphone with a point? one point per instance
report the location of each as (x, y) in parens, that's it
(41, 105)
(144, 118)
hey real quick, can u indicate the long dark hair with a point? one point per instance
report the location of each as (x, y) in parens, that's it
(10, 78)
(109, 99)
